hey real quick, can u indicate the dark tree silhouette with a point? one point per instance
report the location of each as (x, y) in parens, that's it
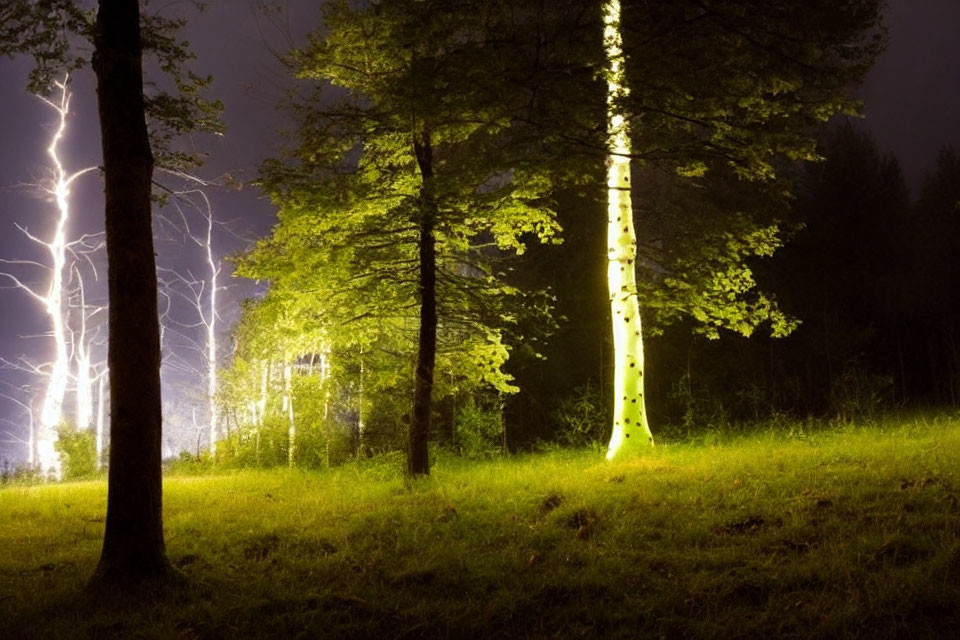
(133, 547)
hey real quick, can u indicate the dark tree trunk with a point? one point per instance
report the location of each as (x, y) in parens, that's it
(418, 459)
(133, 547)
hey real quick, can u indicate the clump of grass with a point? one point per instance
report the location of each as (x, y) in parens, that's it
(849, 531)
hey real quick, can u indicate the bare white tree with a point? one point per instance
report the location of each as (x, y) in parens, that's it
(53, 297)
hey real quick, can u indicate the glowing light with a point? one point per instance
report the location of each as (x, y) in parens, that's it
(28, 410)
(201, 294)
(101, 413)
(52, 412)
(57, 373)
(84, 379)
(212, 334)
(630, 428)
(262, 401)
(51, 415)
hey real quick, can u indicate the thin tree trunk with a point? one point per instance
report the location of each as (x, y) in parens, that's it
(361, 427)
(51, 415)
(262, 402)
(133, 546)
(260, 407)
(259, 411)
(630, 428)
(903, 370)
(84, 390)
(288, 405)
(324, 376)
(211, 326)
(101, 414)
(418, 460)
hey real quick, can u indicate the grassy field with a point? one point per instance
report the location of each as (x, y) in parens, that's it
(843, 532)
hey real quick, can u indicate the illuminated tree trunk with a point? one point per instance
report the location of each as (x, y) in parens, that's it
(55, 299)
(101, 414)
(630, 428)
(84, 391)
(288, 406)
(211, 326)
(133, 546)
(51, 414)
(262, 401)
(361, 426)
(324, 376)
(418, 460)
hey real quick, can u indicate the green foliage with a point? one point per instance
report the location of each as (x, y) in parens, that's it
(190, 464)
(58, 35)
(78, 452)
(479, 430)
(325, 428)
(722, 101)
(265, 446)
(18, 474)
(425, 125)
(761, 74)
(858, 394)
(731, 116)
(582, 419)
(45, 30)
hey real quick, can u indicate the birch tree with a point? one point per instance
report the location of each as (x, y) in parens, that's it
(60, 252)
(743, 101)
(198, 292)
(629, 411)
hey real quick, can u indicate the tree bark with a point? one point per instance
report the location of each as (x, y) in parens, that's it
(418, 459)
(133, 546)
(630, 428)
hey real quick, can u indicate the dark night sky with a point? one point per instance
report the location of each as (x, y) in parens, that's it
(912, 95)
(912, 99)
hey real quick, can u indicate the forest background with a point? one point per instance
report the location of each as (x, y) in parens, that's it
(864, 269)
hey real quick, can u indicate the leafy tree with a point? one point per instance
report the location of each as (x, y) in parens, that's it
(269, 340)
(404, 192)
(761, 75)
(852, 221)
(848, 274)
(710, 106)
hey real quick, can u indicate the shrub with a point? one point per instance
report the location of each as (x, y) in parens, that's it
(78, 452)
(859, 394)
(479, 430)
(582, 418)
(18, 473)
